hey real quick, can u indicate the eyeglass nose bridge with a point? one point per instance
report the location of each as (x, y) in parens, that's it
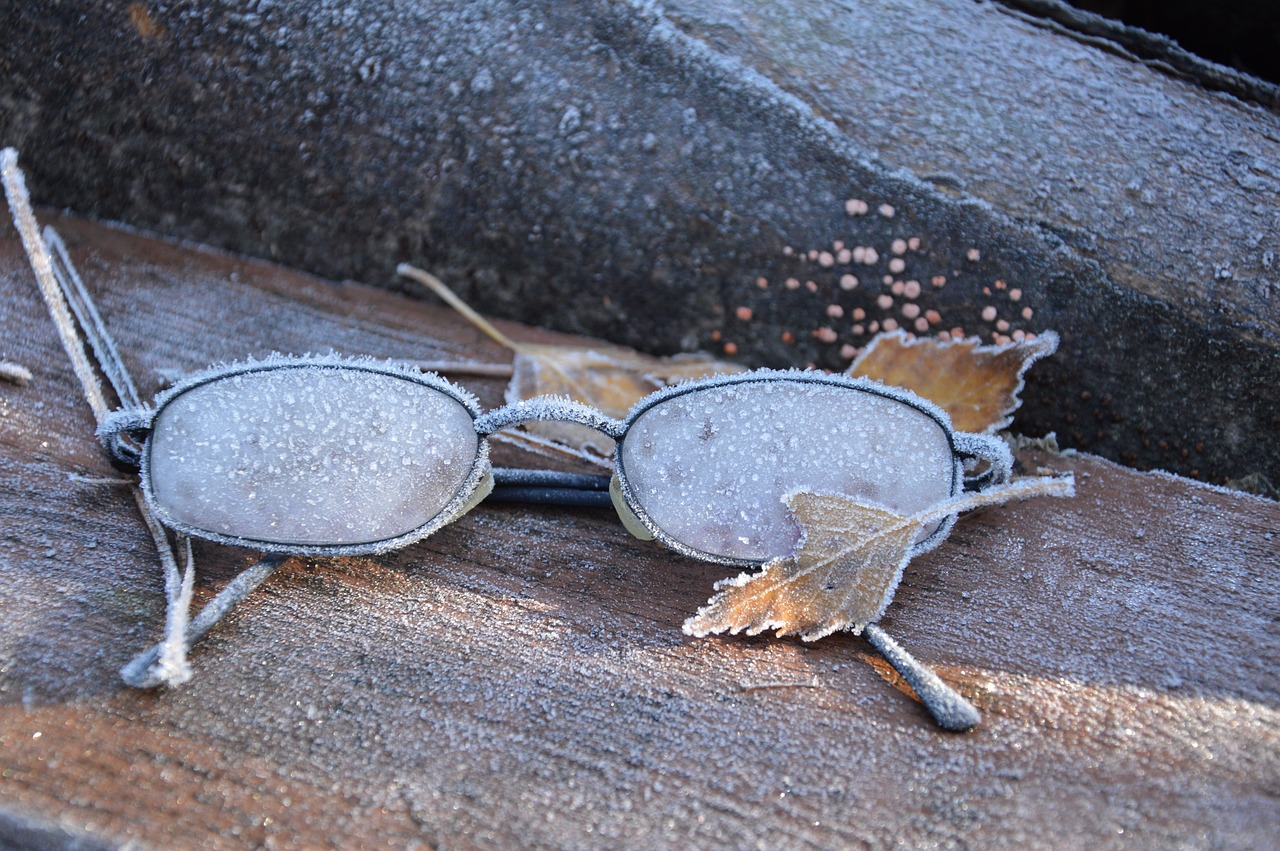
(549, 409)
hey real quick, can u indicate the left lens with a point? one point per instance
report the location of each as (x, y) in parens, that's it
(709, 468)
(310, 455)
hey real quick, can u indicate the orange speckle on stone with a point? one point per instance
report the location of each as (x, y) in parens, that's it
(848, 352)
(762, 283)
(838, 245)
(1000, 285)
(848, 282)
(885, 301)
(988, 314)
(715, 336)
(921, 325)
(1002, 326)
(911, 289)
(873, 326)
(986, 290)
(813, 254)
(891, 324)
(856, 207)
(914, 243)
(825, 334)
(911, 310)
(730, 349)
(792, 284)
(743, 314)
(973, 255)
(933, 316)
(887, 280)
(897, 288)
(957, 332)
(938, 280)
(788, 338)
(811, 286)
(1027, 313)
(859, 330)
(1015, 294)
(859, 314)
(835, 311)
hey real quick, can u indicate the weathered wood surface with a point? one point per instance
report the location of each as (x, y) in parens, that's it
(520, 679)
(630, 169)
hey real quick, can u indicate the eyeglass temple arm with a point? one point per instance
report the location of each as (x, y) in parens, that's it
(989, 449)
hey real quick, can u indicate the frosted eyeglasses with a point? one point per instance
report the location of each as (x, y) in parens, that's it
(330, 456)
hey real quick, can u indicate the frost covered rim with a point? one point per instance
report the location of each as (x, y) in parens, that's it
(795, 376)
(136, 423)
(799, 376)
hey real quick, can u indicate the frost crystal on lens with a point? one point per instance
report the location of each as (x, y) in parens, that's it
(310, 455)
(711, 467)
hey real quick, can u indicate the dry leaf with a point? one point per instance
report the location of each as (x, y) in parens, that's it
(845, 569)
(977, 385)
(607, 377)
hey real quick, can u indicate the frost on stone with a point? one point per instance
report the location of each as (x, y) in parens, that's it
(710, 467)
(845, 568)
(310, 455)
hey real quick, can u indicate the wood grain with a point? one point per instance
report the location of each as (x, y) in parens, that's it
(520, 679)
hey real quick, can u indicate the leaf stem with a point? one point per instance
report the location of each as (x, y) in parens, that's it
(439, 287)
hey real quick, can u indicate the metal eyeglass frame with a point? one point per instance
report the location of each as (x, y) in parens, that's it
(126, 434)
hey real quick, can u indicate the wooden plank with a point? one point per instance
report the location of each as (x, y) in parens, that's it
(520, 678)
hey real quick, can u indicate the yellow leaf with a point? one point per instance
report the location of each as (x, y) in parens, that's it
(976, 385)
(834, 581)
(845, 569)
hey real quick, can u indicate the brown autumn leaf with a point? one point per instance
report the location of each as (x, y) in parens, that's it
(846, 568)
(976, 385)
(607, 377)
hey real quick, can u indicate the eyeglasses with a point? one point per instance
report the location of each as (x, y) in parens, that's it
(331, 456)
(335, 456)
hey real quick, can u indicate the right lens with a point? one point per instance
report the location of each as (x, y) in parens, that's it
(310, 455)
(710, 467)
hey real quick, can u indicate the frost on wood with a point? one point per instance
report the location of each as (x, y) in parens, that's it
(710, 467)
(310, 455)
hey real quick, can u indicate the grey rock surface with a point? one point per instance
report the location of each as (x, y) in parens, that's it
(633, 171)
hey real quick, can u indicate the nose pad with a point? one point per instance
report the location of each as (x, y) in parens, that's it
(483, 489)
(625, 514)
